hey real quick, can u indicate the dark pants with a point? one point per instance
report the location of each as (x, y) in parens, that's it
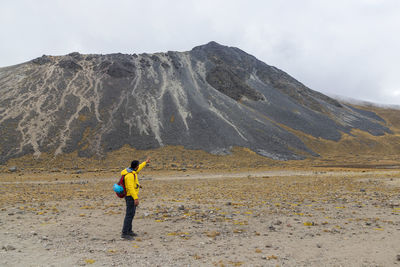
(130, 213)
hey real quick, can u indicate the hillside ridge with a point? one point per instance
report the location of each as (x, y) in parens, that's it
(211, 98)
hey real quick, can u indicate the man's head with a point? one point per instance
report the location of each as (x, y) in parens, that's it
(134, 164)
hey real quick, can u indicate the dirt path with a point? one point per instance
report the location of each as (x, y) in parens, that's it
(199, 176)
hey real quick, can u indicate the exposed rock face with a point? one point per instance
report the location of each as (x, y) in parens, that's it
(212, 98)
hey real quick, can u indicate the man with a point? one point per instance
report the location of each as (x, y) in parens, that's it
(132, 199)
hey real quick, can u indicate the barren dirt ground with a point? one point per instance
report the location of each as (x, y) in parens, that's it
(262, 218)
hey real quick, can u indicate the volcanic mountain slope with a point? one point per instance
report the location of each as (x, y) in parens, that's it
(211, 98)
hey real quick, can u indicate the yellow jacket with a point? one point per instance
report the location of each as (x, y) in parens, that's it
(132, 181)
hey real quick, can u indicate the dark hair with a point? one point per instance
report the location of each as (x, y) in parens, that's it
(134, 164)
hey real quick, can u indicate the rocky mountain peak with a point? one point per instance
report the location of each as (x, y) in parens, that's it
(212, 98)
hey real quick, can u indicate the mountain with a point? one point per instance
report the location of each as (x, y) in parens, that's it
(211, 98)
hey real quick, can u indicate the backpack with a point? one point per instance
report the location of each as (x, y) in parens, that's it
(119, 188)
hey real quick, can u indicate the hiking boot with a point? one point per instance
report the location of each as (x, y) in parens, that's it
(127, 237)
(132, 234)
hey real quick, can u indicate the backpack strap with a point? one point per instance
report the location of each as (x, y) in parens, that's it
(135, 178)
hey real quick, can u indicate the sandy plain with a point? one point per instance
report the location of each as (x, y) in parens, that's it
(216, 217)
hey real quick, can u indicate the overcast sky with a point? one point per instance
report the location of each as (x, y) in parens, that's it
(342, 47)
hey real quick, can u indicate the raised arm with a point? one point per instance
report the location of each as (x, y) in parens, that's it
(141, 166)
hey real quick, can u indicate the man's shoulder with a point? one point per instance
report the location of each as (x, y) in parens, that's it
(130, 174)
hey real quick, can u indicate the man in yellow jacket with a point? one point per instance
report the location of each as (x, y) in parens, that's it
(132, 199)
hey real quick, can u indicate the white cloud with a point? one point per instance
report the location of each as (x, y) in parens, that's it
(338, 47)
